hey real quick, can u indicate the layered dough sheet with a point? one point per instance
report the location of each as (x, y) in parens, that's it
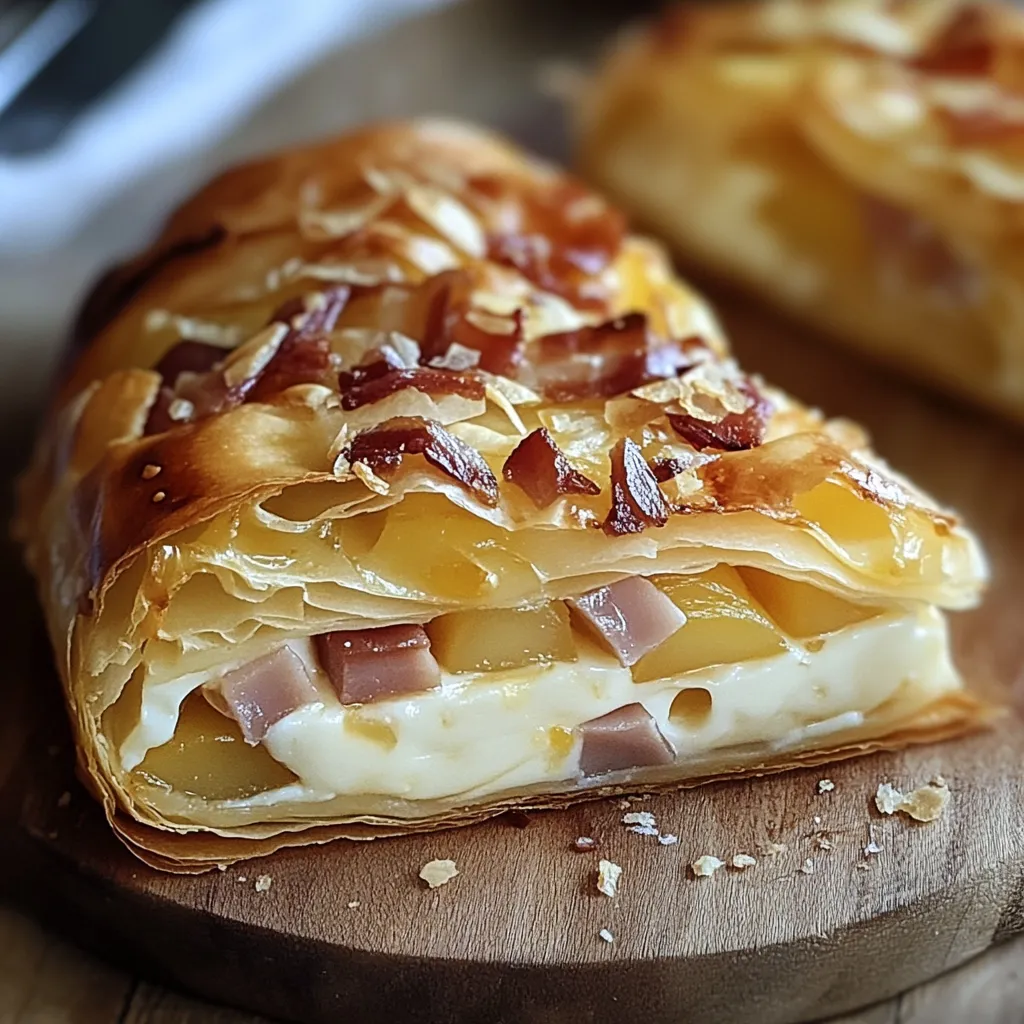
(398, 485)
(727, 685)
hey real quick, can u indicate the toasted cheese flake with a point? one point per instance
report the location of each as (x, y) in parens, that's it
(706, 866)
(742, 861)
(368, 477)
(251, 358)
(263, 883)
(608, 875)
(438, 872)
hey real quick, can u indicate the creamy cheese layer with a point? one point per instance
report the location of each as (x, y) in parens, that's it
(484, 733)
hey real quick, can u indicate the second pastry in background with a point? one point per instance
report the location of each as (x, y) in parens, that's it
(860, 163)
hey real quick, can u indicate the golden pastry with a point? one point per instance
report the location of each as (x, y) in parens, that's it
(397, 485)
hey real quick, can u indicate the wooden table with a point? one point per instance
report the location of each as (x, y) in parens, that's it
(46, 981)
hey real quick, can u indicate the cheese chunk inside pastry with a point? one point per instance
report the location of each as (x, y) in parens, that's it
(398, 485)
(860, 163)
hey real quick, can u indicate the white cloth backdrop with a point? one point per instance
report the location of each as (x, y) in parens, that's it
(67, 213)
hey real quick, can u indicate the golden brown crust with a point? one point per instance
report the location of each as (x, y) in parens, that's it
(384, 318)
(860, 162)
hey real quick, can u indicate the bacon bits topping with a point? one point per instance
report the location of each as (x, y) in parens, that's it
(366, 665)
(965, 47)
(540, 468)
(384, 447)
(317, 313)
(189, 357)
(625, 738)
(560, 235)
(734, 432)
(450, 321)
(262, 692)
(630, 618)
(380, 383)
(603, 360)
(637, 503)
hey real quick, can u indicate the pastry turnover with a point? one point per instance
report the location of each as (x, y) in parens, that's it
(858, 162)
(396, 485)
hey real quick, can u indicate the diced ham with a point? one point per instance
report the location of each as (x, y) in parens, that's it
(630, 617)
(262, 692)
(627, 737)
(367, 665)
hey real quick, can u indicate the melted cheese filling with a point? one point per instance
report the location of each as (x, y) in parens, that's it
(484, 733)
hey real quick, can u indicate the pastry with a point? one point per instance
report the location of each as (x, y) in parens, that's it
(859, 163)
(397, 485)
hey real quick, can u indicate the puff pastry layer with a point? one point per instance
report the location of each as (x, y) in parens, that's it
(397, 485)
(860, 163)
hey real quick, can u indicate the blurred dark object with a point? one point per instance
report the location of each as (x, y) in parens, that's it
(58, 57)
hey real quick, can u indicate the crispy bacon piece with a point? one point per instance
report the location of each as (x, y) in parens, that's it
(540, 468)
(665, 469)
(630, 618)
(367, 665)
(422, 378)
(965, 47)
(735, 432)
(637, 503)
(299, 360)
(448, 321)
(625, 738)
(262, 692)
(602, 360)
(189, 357)
(321, 318)
(384, 447)
(560, 236)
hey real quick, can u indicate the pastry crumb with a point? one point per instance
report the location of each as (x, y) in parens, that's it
(863, 865)
(926, 803)
(608, 875)
(584, 843)
(352, 904)
(667, 839)
(807, 867)
(823, 843)
(872, 848)
(817, 819)
(624, 804)
(643, 830)
(706, 866)
(242, 878)
(642, 818)
(825, 786)
(887, 799)
(263, 883)
(606, 935)
(742, 861)
(773, 849)
(438, 872)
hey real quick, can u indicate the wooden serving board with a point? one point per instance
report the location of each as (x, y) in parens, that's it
(348, 931)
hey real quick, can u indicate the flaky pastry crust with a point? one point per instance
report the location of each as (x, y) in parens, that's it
(389, 316)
